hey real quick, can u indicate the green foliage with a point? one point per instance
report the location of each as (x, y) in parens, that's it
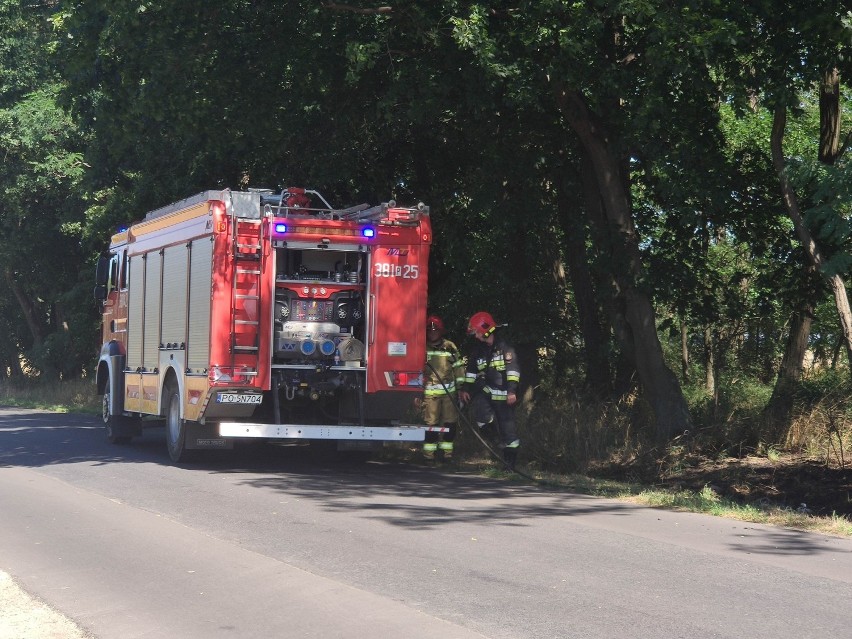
(41, 212)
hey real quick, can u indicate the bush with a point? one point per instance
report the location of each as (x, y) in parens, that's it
(563, 431)
(71, 395)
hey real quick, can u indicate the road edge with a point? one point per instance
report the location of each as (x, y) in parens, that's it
(26, 616)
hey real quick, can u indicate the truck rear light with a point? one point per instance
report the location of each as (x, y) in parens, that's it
(231, 375)
(404, 378)
(218, 375)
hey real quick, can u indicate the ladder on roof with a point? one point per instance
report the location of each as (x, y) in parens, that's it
(247, 253)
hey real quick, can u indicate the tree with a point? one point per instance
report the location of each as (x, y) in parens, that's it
(40, 249)
(591, 61)
(803, 50)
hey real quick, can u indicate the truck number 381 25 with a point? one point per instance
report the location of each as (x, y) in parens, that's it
(405, 271)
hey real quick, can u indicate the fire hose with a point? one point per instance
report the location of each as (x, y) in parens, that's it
(458, 405)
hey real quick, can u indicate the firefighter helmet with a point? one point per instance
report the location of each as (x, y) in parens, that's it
(481, 324)
(434, 322)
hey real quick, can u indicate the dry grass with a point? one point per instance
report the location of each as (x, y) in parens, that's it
(824, 431)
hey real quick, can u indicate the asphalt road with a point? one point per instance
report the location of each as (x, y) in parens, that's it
(284, 542)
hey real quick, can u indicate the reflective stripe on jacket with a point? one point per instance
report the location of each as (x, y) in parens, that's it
(493, 369)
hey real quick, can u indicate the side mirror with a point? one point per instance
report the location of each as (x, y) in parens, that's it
(102, 272)
(100, 293)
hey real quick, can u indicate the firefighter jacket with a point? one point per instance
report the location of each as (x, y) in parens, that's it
(493, 369)
(444, 371)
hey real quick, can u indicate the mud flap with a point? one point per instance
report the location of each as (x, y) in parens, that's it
(205, 437)
(124, 426)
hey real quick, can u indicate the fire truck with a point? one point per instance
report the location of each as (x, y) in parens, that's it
(265, 315)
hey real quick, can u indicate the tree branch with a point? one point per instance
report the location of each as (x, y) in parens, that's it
(788, 194)
(334, 6)
(845, 145)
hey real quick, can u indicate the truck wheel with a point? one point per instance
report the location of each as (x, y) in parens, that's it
(175, 427)
(118, 427)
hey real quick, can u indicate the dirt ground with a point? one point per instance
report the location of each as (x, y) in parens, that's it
(787, 482)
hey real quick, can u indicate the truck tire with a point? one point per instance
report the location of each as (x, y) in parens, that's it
(119, 429)
(175, 426)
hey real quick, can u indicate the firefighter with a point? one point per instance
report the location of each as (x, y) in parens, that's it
(491, 383)
(443, 374)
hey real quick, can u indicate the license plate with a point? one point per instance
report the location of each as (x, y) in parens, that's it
(238, 398)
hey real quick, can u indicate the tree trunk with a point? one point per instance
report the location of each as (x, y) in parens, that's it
(780, 407)
(684, 351)
(709, 362)
(11, 369)
(27, 307)
(623, 381)
(594, 338)
(791, 202)
(829, 116)
(659, 383)
(835, 354)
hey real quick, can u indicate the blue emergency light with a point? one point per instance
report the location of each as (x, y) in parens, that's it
(368, 231)
(280, 227)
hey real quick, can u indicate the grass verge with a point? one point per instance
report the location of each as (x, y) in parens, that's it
(705, 501)
(62, 397)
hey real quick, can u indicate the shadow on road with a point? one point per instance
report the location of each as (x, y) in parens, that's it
(782, 542)
(32, 438)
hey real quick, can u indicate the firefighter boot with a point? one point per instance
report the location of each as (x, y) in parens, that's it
(446, 449)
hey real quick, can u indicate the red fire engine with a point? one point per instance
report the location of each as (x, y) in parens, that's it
(264, 314)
